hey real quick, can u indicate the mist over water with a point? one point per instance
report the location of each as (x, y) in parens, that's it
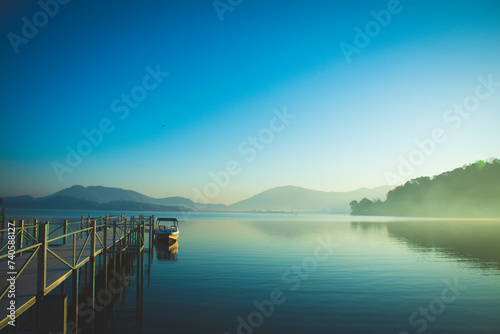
(283, 273)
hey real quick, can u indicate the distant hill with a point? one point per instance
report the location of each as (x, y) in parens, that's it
(72, 203)
(291, 198)
(101, 194)
(469, 191)
(106, 198)
(287, 198)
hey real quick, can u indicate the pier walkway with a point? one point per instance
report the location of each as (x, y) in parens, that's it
(39, 260)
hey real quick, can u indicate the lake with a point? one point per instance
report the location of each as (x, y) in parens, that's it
(286, 273)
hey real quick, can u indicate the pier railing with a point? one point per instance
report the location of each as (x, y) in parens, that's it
(128, 235)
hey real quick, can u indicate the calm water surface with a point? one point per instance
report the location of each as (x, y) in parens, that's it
(282, 273)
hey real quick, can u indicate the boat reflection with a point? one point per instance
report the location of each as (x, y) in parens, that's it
(167, 250)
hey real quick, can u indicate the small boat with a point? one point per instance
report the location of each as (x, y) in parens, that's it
(166, 229)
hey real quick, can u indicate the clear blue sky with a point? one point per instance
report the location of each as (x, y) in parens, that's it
(353, 120)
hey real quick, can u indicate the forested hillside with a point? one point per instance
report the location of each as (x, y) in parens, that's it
(469, 191)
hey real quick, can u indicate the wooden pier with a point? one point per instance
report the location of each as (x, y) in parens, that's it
(44, 258)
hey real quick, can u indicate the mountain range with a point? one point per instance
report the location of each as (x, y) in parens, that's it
(286, 198)
(292, 198)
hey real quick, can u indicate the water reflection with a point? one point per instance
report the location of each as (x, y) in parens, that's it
(368, 226)
(167, 250)
(473, 241)
(98, 299)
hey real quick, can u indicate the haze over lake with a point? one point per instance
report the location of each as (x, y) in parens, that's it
(333, 273)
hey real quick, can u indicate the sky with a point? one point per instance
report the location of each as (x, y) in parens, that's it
(219, 100)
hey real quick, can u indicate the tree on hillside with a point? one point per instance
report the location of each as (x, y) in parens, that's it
(470, 191)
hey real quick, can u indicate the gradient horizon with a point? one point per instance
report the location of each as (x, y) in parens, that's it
(229, 81)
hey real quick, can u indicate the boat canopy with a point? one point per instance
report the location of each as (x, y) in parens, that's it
(167, 219)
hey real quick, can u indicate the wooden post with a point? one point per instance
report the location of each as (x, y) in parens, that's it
(28, 231)
(105, 241)
(133, 222)
(150, 256)
(35, 229)
(113, 258)
(21, 235)
(152, 228)
(65, 230)
(74, 249)
(150, 232)
(125, 231)
(42, 260)
(143, 235)
(92, 240)
(137, 234)
(92, 261)
(81, 228)
(114, 231)
(88, 224)
(105, 253)
(75, 276)
(134, 226)
(151, 238)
